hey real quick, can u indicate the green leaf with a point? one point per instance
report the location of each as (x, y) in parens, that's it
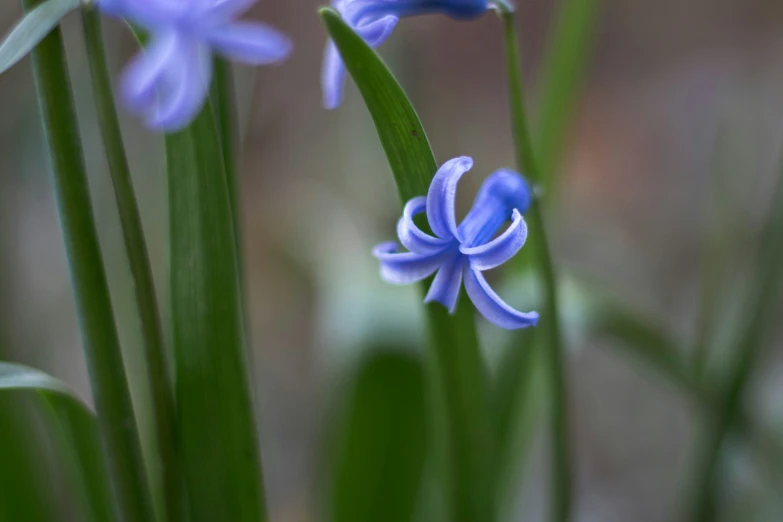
(382, 443)
(31, 29)
(78, 431)
(463, 432)
(217, 433)
(109, 383)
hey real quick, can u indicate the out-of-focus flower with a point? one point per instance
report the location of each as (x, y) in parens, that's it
(463, 251)
(168, 82)
(374, 21)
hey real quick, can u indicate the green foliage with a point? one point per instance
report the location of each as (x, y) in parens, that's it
(217, 433)
(463, 433)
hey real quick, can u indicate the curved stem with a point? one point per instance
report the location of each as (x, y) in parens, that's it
(554, 359)
(102, 352)
(138, 259)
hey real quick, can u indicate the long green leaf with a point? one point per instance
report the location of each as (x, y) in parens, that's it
(463, 431)
(382, 443)
(217, 433)
(116, 417)
(31, 29)
(164, 415)
(79, 433)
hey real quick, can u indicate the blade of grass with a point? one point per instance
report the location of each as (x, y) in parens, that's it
(217, 432)
(762, 309)
(382, 443)
(461, 409)
(553, 350)
(99, 335)
(78, 433)
(164, 414)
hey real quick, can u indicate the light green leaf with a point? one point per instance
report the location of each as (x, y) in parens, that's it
(217, 434)
(78, 431)
(31, 29)
(463, 432)
(381, 445)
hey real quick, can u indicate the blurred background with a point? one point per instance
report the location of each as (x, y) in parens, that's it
(671, 152)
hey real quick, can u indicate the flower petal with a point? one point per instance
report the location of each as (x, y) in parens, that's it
(253, 43)
(227, 9)
(377, 31)
(407, 267)
(411, 236)
(441, 196)
(185, 88)
(332, 77)
(445, 287)
(145, 73)
(492, 307)
(500, 249)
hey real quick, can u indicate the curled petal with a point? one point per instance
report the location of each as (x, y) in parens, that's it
(407, 267)
(492, 307)
(252, 43)
(146, 72)
(500, 249)
(445, 287)
(377, 31)
(332, 77)
(411, 236)
(184, 90)
(441, 196)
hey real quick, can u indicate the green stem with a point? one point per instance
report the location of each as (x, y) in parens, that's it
(763, 303)
(554, 358)
(99, 334)
(138, 259)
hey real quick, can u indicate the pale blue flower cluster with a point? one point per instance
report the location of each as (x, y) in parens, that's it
(374, 21)
(168, 82)
(463, 251)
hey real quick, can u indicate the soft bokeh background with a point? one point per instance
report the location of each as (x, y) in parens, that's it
(675, 143)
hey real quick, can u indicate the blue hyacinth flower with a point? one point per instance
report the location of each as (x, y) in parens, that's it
(374, 21)
(168, 82)
(463, 251)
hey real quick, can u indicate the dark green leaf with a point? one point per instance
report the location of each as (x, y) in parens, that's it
(463, 430)
(381, 446)
(78, 431)
(31, 29)
(220, 455)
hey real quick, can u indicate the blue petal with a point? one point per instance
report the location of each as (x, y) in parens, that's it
(185, 89)
(411, 236)
(407, 267)
(377, 31)
(250, 42)
(227, 9)
(492, 307)
(151, 14)
(332, 77)
(357, 10)
(146, 73)
(441, 196)
(445, 287)
(500, 249)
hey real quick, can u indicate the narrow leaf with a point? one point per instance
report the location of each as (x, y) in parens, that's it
(382, 443)
(31, 29)
(462, 432)
(78, 431)
(217, 434)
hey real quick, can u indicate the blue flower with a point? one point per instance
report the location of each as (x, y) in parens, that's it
(465, 250)
(374, 21)
(167, 83)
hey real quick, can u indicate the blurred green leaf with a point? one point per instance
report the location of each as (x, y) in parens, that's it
(78, 432)
(220, 455)
(31, 29)
(463, 429)
(382, 442)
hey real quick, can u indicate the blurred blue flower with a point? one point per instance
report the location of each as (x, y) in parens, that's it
(168, 82)
(374, 21)
(465, 250)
